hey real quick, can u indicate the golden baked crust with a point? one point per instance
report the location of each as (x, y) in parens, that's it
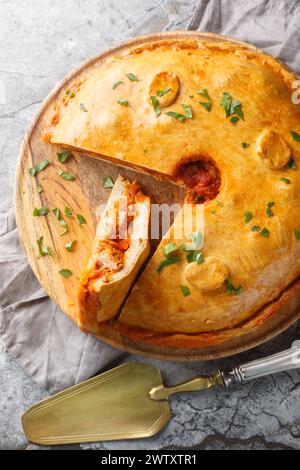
(251, 177)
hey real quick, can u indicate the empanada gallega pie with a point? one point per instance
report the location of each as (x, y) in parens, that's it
(219, 119)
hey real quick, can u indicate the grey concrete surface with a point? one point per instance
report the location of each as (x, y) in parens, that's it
(41, 41)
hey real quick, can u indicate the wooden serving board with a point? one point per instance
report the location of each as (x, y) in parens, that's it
(83, 196)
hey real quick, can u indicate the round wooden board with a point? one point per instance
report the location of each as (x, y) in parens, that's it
(83, 196)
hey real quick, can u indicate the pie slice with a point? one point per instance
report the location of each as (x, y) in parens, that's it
(121, 246)
(218, 118)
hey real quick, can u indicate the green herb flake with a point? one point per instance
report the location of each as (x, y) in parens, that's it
(69, 246)
(107, 182)
(188, 112)
(255, 228)
(155, 104)
(169, 249)
(66, 273)
(83, 108)
(40, 188)
(177, 116)
(204, 93)
(269, 211)
(232, 290)
(285, 180)
(295, 136)
(81, 219)
(245, 145)
(206, 106)
(43, 251)
(248, 217)
(297, 234)
(68, 212)
(185, 290)
(195, 257)
(234, 119)
(123, 102)
(167, 262)
(35, 170)
(163, 92)
(63, 156)
(232, 108)
(61, 221)
(265, 233)
(65, 175)
(292, 164)
(40, 212)
(132, 77)
(116, 84)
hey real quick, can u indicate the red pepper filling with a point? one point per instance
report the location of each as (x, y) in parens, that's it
(202, 180)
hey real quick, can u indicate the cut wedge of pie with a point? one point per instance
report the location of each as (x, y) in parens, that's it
(219, 119)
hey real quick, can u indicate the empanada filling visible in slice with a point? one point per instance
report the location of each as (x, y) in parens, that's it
(120, 247)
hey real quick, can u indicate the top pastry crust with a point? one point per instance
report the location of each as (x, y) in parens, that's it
(256, 157)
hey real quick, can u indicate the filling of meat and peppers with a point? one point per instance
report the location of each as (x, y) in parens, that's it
(201, 179)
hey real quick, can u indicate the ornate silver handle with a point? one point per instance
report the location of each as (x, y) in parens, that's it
(286, 360)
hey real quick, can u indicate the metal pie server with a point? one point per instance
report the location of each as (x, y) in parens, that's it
(130, 401)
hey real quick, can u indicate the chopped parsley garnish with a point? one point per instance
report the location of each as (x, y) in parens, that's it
(116, 84)
(245, 145)
(40, 188)
(163, 92)
(177, 116)
(167, 262)
(269, 211)
(132, 77)
(68, 212)
(123, 102)
(248, 217)
(107, 182)
(231, 289)
(219, 204)
(81, 219)
(170, 248)
(185, 291)
(43, 251)
(195, 257)
(255, 228)
(295, 136)
(35, 170)
(204, 93)
(63, 156)
(61, 221)
(83, 108)
(285, 180)
(41, 211)
(234, 119)
(70, 93)
(292, 164)
(297, 234)
(66, 272)
(65, 175)
(188, 112)
(265, 233)
(69, 246)
(155, 104)
(232, 108)
(205, 104)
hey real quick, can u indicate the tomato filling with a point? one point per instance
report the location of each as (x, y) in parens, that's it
(202, 180)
